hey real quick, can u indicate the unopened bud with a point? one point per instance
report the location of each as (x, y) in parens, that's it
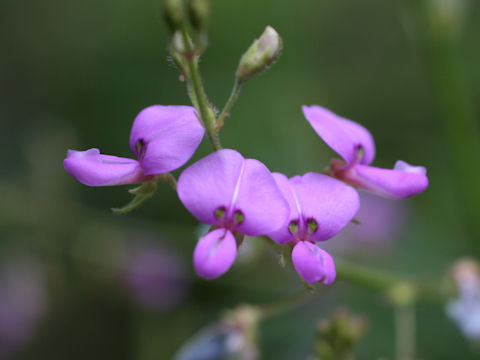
(174, 14)
(337, 337)
(179, 46)
(198, 11)
(264, 50)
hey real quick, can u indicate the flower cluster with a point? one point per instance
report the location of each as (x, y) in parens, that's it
(238, 196)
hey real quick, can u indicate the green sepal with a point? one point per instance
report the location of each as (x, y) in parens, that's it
(239, 237)
(142, 193)
(307, 286)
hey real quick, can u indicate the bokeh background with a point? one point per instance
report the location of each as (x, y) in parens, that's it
(77, 282)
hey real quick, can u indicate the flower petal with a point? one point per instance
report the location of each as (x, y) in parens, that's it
(215, 253)
(166, 137)
(260, 201)
(342, 135)
(313, 264)
(401, 182)
(331, 203)
(241, 187)
(283, 235)
(401, 165)
(94, 169)
(209, 184)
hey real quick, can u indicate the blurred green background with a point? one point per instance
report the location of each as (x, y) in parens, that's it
(73, 74)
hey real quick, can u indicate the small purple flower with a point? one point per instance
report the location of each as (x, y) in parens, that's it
(22, 302)
(154, 276)
(162, 137)
(320, 207)
(356, 146)
(233, 194)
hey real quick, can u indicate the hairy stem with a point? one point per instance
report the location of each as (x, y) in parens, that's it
(207, 115)
(228, 106)
(168, 177)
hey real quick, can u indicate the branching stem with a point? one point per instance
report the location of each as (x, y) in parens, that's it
(206, 113)
(228, 106)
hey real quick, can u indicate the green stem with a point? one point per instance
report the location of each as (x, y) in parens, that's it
(456, 110)
(361, 275)
(168, 177)
(285, 304)
(377, 279)
(192, 96)
(207, 115)
(228, 106)
(405, 332)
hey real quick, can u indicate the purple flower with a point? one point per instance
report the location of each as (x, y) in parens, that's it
(356, 146)
(154, 276)
(163, 138)
(22, 302)
(232, 194)
(320, 207)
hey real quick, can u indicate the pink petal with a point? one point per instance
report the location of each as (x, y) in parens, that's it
(169, 134)
(313, 264)
(209, 184)
(398, 184)
(215, 253)
(225, 180)
(94, 169)
(260, 200)
(401, 165)
(329, 202)
(342, 135)
(283, 235)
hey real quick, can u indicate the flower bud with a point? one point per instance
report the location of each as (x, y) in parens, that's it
(174, 14)
(198, 11)
(178, 45)
(337, 336)
(264, 50)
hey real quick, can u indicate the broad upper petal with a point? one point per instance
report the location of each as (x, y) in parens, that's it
(169, 134)
(283, 235)
(401, 182)
(209, 184)
(313, 264)
(342, 135)
(215, 253)
(260, 200)
(225, 180)
(330, 202)
(94, 169)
